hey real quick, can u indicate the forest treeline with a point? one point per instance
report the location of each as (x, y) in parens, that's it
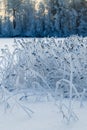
(43, 18)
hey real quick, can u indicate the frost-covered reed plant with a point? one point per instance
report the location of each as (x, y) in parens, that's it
(45, 69)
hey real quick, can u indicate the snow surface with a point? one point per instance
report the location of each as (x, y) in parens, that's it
(46, 116)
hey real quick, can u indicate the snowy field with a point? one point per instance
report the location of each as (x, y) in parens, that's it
(42, 87)
(46, 116)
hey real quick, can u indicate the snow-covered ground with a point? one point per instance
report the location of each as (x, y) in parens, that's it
(46, 116)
